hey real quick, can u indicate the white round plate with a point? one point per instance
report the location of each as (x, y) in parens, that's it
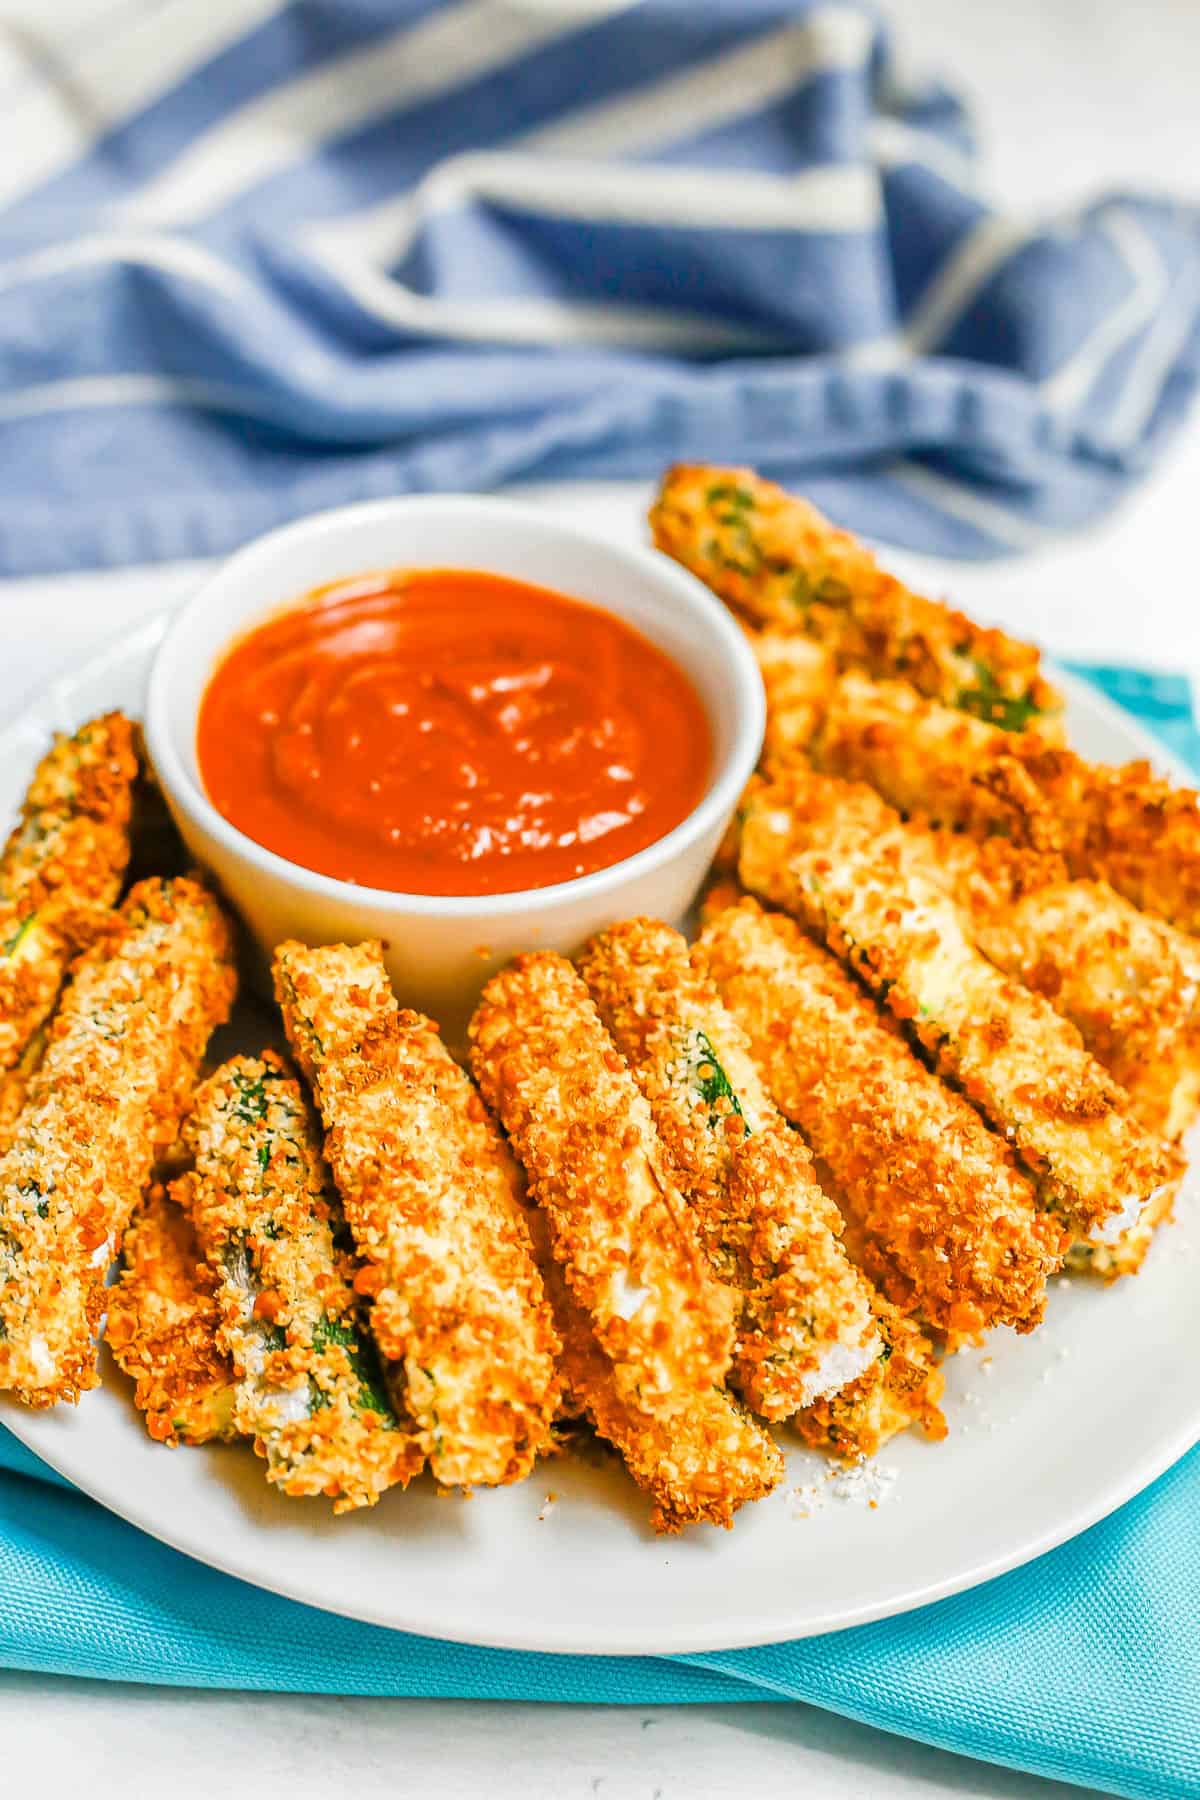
(1047, 1434)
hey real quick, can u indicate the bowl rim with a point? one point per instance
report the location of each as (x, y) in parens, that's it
(652, 567)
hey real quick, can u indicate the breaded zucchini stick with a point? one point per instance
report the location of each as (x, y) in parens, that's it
(14, 1085)
(700, 1465)
(428, 1189)
(835, 855)
(1127, 826)
(311, 1392)
(799, 678)
(1130, 983)
(61, 869)
(943, 1222)
(1126, 1254)
(620, 1225)
(119, 1064)
(162, 1328)
(805, 1327)
(902, 1389)
(781, 565)
(925, 759)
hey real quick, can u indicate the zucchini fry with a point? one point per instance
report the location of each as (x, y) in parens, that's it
(1129, 982)
(902, 1389)
(928, 760)
(805, 1327)
(774, 558)
(1126, 1254)
(799, 677)
(120, 1060)
(61, 870)
(700, 1465)
(162, 1328)
(1131, 828)
(14, 1085)
(594, 1161)
(835, 855)
(1126, 826)
(428, 1189)
(310, 1391)
(939, 1217)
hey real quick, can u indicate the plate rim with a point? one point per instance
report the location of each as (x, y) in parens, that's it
(605, 1640)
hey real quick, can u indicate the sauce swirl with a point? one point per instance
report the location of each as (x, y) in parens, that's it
(449, 731)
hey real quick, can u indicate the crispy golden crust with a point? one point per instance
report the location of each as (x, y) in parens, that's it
(14, 1085)
(799, 677)
(903, 1389)
(1109, 1262)
(1130, 827)
(162, 1325)
(805, 1326)
(834, 854)
(118, 1067)
(928, 760)
(427, 1185)
(698, 1465)
(944, 1223)
(781, 565)
(1126, 826)
(621, 1227)
(61, 870)
(1129, 982)
(311, 1392)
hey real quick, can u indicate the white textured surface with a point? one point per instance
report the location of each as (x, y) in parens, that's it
(1073, 97)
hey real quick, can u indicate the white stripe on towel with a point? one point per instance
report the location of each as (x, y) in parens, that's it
(174, 256)
(1071, 382)
(667, 111)
(439, 54)
(49, 128)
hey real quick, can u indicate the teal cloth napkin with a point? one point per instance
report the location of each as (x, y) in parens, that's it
(1084, 1666)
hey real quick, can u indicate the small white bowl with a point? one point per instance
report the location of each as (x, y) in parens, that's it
(441, 950)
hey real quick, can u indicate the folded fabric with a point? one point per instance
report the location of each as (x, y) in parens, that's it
(1085, 1665)
(300, 254)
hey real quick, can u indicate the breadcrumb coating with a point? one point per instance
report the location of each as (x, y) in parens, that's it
(835, 855)
(805, 1326)
(61, 870)
(780, 564)
(927, 760)
(119, 1064)
(943, 1222)
(1129, 982)
(1125, 1256)
(698, 1465)
(162, 1327)
(311, 1392)
(798, 677)
(1126, 979)
(1124, 825)
(1129, 827)
(14, 1085)
(427, 1185)
(621, 1227)
(901, 1390)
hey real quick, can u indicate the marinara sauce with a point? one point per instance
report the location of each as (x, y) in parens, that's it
(446, 731)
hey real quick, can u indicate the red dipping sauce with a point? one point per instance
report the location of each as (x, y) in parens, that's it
(445, 731)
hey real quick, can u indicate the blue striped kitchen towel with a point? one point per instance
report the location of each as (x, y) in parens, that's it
(258, 258)
(1084, 1665)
